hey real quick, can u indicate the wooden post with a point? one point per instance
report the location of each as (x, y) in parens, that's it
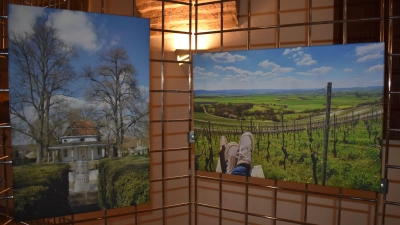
(326, 138)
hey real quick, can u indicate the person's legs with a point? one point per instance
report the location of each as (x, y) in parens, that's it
(246, 146)
(242, 170)
(231, 156)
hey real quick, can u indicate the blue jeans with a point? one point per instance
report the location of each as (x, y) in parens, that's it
(242, 170)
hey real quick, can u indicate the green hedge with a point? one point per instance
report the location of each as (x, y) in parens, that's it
(124, 181)
(40, 191)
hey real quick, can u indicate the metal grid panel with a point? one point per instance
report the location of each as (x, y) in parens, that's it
(161, 154)
(340, 195)
(165, 211)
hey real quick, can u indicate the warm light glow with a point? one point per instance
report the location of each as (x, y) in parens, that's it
(183, 58)
(181, 41)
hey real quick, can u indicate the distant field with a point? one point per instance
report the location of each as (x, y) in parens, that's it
(341, 105)
(213, 119)
(278, 100)
(297, 103)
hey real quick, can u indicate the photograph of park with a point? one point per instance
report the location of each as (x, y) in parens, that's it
(306, 114)
(79, 111)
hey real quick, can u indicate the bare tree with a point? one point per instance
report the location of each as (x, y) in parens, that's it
(43, 71)
(114, 87)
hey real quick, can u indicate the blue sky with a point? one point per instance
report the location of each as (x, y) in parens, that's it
(351, 65)
(91, 34)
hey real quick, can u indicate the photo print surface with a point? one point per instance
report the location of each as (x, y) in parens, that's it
(79, 105)
(306, 114)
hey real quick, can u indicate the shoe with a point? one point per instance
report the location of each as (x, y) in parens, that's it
(223, 141)
(246, 146)
(231, 152)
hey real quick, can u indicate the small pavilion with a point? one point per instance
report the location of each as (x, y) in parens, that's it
(81, 142)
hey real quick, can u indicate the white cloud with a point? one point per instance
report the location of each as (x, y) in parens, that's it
(301, 58)
(287, 51)
(76, 28)
(282, 70)
(306, 60)
(276, 69)
(317, 71)
(198, 69)
(237, 81)
(369, 52)
(115, 40)
(239, 71)
(224, 57)
(347, 70)
(21, 18)
(71, 101)
(370, 48)
(268, 64)
(146, 90)
(228, 78)
(322, 70)
(369, 57)
(66, 101)
(378, 67)
(200, 73)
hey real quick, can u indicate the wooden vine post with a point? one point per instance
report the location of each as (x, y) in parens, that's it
(326, 136)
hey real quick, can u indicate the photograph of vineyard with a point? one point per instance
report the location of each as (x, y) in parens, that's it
(315, 113)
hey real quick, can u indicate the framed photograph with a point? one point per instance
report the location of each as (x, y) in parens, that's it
(79, 106)
(306, 114)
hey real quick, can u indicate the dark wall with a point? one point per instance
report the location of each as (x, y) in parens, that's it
(364, 25)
